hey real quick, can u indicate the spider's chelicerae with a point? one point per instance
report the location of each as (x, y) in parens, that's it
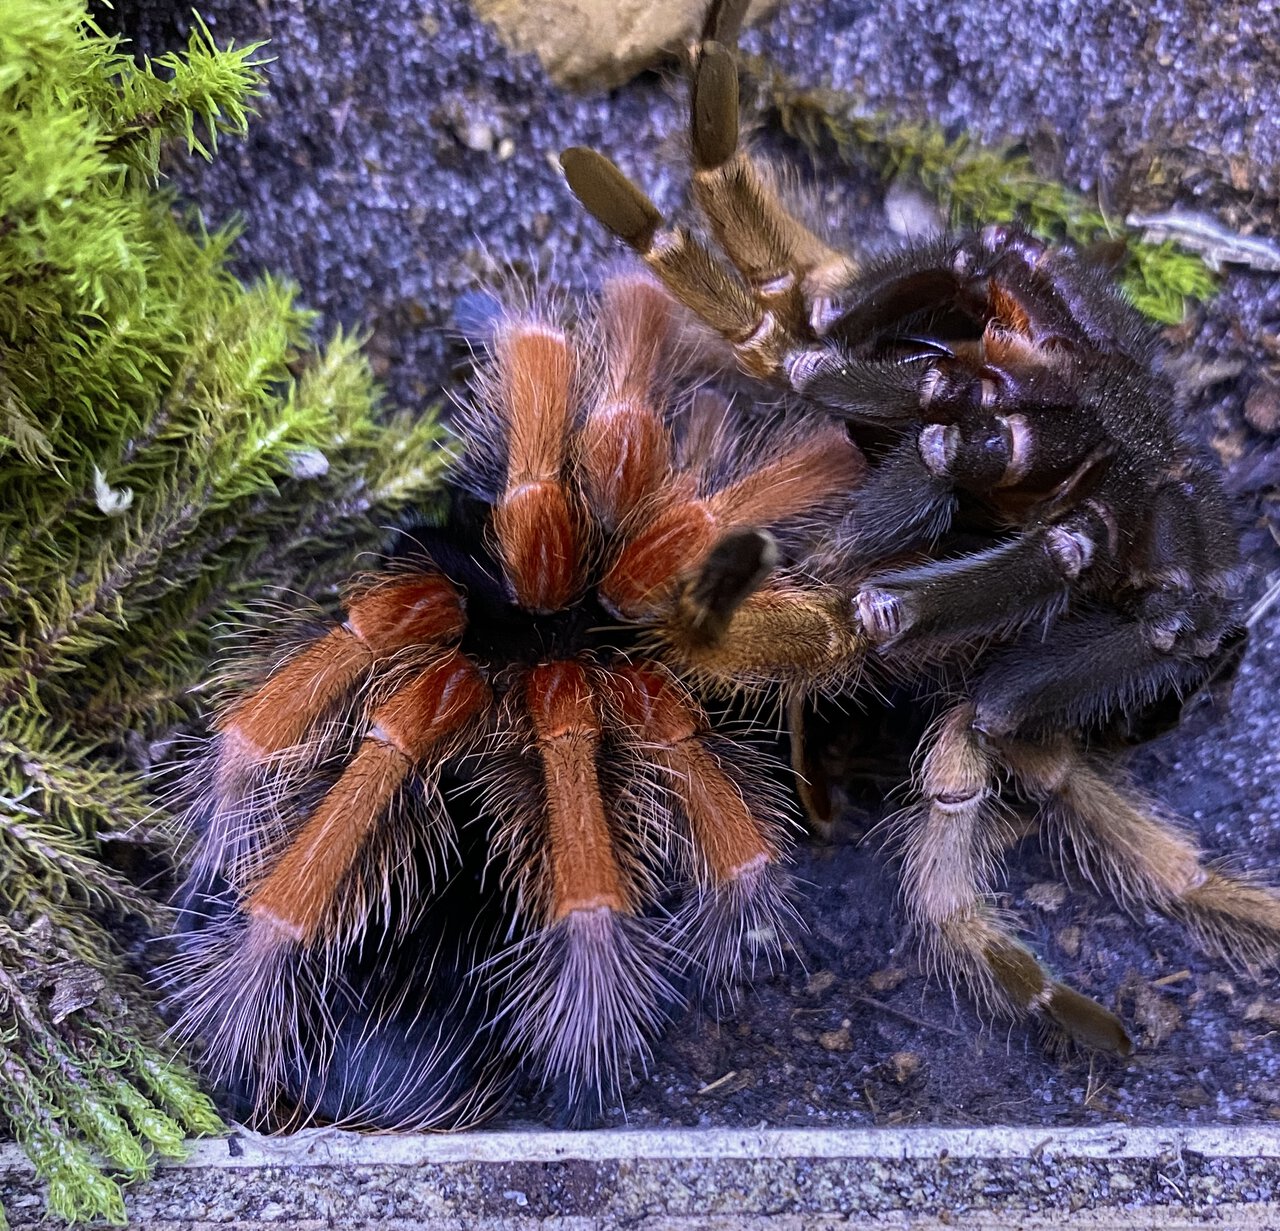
(1035, 531)
(485, 814)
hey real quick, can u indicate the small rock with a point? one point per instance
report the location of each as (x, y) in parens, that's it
(308, 464)
(911, 212)
(903, 1066)
(471, 129)
(837, 1040)
(1262, 407)
(1069, 939)
(475, 135)
(1156, 1015)
(1193, 1096)
(602, 42)
(886, 980)
(1047, 895)
(1262, 1010)
(819, 982)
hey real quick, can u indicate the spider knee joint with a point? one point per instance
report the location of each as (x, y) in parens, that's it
(880, 613)
(960, 800)
(939, 444)
(1071, 550)
(1163, 635)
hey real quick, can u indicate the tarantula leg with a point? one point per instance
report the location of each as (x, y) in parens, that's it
(859, 391)
(536, 523)
(989, 591)
(298, 897)
(899, 507)
(950, 845)
(812, 785)
(253, 990)
(684, 265)
(277, 722)
(624, 445)
(806, 637)
(387, 616)
(816, 470)
(786, 266)
(1098, 664)
(587, 993)
(1142, 859)
(741, 905)
(723, 20)
(585, 874)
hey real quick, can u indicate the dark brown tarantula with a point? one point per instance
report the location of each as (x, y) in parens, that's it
(1034, 528)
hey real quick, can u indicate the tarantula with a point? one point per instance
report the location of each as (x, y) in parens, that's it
(1036, 539)
(446, 829)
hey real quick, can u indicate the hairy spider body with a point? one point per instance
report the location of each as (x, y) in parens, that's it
(505, 726)
(1037, 541)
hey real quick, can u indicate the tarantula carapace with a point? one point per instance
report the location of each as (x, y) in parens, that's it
(1037, 541)
(486, 814)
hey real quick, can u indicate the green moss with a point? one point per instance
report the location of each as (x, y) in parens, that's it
(171, 448)
(980, 183)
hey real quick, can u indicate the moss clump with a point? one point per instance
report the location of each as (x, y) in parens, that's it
(170, 448)
(981, 184)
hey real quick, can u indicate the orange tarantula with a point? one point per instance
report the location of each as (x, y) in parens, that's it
(1037, 542)
(447, 828)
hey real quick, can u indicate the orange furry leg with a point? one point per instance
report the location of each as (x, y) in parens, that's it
(817, 469)
(675, 538)
(741, 902)
(297, 896)
(586, 989)
(584, 871)
(256, 991)
(534, 518)
(728, 840)
(624, 444)
(269, 741)
(814, 471)
(385, 617)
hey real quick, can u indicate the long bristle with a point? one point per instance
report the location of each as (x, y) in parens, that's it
(584, 1000)
(726, 931)
(244, 994)
(803, 476)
